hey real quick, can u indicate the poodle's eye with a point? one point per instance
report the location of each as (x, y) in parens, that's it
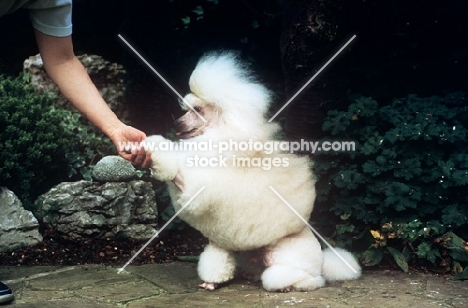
(197, 109)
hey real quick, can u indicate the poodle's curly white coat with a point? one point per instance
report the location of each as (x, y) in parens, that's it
(237, 211)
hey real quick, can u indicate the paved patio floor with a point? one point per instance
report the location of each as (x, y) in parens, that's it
(175, 285)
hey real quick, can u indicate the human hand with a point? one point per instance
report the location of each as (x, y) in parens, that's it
(127, 141)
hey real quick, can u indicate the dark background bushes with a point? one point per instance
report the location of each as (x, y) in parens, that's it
(401, 192)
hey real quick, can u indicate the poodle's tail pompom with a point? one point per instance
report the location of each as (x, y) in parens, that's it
(222, 79)
(334, 268)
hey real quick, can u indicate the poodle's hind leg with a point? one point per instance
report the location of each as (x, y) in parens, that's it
(216, 266)
(294, 263)
(285, 278)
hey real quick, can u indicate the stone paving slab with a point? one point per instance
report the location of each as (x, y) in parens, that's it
(175, 285)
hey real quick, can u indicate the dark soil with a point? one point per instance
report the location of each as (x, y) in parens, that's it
(54, 250)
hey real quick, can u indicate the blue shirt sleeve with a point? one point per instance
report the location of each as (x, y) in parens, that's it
(52, 17)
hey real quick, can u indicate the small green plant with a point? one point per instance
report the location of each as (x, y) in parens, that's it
(417, 241)
(88, 145)
(33, 145)
(404, 182)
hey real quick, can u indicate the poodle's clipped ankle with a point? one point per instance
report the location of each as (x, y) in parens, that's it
(216, 265)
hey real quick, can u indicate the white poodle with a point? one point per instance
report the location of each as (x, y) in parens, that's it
(224, 130)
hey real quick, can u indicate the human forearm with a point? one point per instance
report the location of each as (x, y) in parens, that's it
(67, 72)
(74, 83)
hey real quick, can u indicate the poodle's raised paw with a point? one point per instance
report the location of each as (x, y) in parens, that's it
(165, 166)
(210, 286)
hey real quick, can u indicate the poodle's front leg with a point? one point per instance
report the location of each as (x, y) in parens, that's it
(164, 161)
(179, 182)
(216, 266)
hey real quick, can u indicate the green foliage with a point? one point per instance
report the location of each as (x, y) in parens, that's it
(41, 145)
(88, 145)
(399, 258)
(404, 182)
(418, 242)
(32, 142)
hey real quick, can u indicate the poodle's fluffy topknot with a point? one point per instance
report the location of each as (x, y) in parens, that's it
(223, 80)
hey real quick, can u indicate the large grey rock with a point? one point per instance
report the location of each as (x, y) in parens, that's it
(18, 227)
(113, 168)
(108, 78)
(100, 210)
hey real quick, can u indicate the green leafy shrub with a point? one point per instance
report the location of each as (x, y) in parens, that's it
(87, 145)
(402, 190)
(42, 145)
(33, 145)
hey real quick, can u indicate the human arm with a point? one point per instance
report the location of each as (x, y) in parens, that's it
(73, 81)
